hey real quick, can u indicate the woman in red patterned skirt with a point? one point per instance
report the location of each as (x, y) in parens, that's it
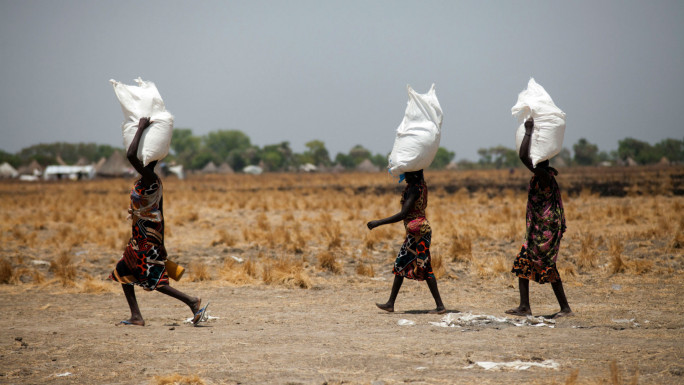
(413, 260)
(143, 261)
(545, 227)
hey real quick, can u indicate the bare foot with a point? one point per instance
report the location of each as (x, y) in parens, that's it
(386, 307)
(439, 310)
(519, 311)
(132, 322)
(563, 313)
(196, 305)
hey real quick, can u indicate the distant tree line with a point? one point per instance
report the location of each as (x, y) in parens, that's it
(70, 153)
(235, 148)
(588, 154)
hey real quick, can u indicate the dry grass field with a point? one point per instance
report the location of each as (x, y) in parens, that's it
(292, 274)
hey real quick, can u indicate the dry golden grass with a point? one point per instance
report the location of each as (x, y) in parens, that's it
(461, 248)
(677, 242)
(95, 286)
(6, 271)
(327, 261)
(224, 238)
(199, 271)
(614, 377)
(370, 240)
(588, 258)
(64, 269)
(438, 265)
(286, 272)
(298, 218)
(240, 274)
(178, 379)
(365, 269)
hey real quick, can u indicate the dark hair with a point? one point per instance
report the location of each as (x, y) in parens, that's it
(544, 164)
(414, 176)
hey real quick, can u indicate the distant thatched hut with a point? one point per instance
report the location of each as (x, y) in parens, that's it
(7, 171)
(209, 168)
(115, 166)
(33, 168)
(225, 168)
(367, 166)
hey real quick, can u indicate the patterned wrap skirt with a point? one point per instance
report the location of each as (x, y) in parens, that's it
(145, 268)
(413, 260)
(545, 225)
(143, 260)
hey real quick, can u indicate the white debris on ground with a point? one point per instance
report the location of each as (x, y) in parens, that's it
(469, 319)
(205, 318)
(237, 259)
(65, 374)
(405, 322)
(514, 365)
(631, 321)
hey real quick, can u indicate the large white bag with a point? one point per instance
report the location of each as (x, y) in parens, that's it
(549, 122)
(143, 101)
(418, 134)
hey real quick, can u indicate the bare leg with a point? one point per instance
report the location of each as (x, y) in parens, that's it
(192, 302)
(432, 284)
(562, 301)
(524, 308)
(389, 306)
(136, 316)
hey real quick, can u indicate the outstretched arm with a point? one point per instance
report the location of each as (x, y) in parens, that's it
(405, 209)
(148, 176)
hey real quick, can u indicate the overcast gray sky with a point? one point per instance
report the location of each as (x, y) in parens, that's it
(337, 70)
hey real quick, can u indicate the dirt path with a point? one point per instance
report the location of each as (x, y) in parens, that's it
(333, 333)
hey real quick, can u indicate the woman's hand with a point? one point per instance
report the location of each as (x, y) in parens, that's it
(373, 224)
(144, 123)
(529, 125)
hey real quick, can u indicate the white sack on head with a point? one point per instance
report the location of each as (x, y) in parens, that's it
(143, 101)
(549, 122)
(418, 134)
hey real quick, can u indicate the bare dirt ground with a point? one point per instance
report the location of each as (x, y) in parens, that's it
(621, 261)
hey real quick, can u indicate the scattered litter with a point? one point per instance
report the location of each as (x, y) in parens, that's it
(421, 368)
(469, 319)
(378, 279)
(39, 262)
(616, 287)
(63, 374)
(205, 318)
(237, 259)
(79, 253)
(627, 321)
(405, 322)
(515, 365)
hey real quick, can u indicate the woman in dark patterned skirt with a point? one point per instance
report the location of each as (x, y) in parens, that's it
(143, 261)
(413, 261)
(545, 227)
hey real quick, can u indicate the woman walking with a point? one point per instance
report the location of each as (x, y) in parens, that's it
(143, 261)
(545, 227)
(413, 260)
